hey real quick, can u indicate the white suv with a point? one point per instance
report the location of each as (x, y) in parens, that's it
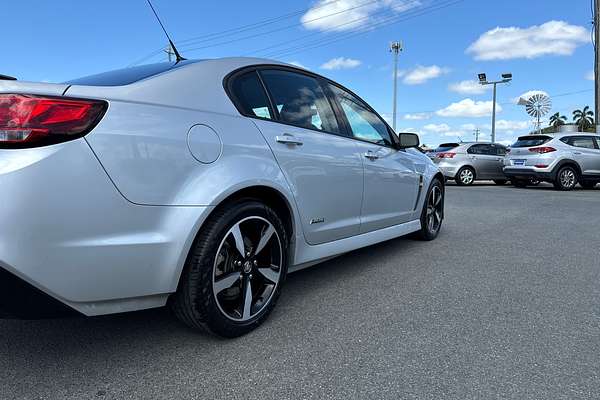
(563, 160)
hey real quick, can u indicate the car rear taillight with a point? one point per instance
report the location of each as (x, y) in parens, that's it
(446, 155)
(542, 150)
(33, 121)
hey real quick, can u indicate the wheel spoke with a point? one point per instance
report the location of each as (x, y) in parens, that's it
(239, 240)
(247, 299)
(226, 282)
(438, 217)
(269, 274)
(264, 239)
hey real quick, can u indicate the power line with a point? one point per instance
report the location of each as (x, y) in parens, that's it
(331, 28)
(390, 21)
(234, 31)
(279, 29)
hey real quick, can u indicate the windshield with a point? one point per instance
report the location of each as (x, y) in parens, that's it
(531, 141)
(446, 147)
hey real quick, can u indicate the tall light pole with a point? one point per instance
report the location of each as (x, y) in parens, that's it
(597, 60)
(483, 80)
(396, 48)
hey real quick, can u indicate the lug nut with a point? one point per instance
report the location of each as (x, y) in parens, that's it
(255, 262)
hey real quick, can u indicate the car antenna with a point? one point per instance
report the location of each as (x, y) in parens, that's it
(178, 56)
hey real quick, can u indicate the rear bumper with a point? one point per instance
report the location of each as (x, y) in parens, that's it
(449, 171)
(21, 300)
(66, 232)
(528, 173)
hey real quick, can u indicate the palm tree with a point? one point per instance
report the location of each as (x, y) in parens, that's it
(584, 118)
(557, 120)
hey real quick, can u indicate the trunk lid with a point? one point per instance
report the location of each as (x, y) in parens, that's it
(47, 89)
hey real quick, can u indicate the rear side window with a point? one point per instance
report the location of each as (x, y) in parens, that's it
(531, 141)
(300, 100)
(484, 149)
(250, 97)
(585, 142)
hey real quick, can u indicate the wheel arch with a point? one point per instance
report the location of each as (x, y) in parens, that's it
(266, 194)
(565, 163)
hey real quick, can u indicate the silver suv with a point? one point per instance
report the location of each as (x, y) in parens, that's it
(468, 162)
(563, 160)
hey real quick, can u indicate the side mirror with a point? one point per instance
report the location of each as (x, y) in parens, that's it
(408, 140)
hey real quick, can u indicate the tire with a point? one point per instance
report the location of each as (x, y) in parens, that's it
(500, 182)
(433, 208)
(205, 302)
(588, 185)
(520, 183)
(465, 176)
(566, 179)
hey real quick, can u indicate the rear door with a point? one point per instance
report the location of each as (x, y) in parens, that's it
(484, 159)
(322, 166)
(391, 183)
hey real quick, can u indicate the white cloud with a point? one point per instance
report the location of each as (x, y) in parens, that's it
(511, 126)
(525, 96)
(346, 15)
(468, 87)
(551, 38)
(341, 63)
(297, 64)
(417, 116)
(437, 128)
(422, 74)
(590, 76)
(468, 108)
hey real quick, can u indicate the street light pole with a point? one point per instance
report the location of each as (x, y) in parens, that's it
(396, 48)
(483, 80)
(494, 115)
(597, 60)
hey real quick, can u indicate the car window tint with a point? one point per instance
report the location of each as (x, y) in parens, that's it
(531, 141)
(479, 149)
(300, 100)
(250, 95)
(500, 150)
(586, 142)
(364, 124)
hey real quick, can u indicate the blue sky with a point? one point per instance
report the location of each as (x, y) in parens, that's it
(544, 43)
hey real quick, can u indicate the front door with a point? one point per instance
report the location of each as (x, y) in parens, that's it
(391, 184)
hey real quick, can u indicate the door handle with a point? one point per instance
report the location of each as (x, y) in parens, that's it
(289, 139)
(371, 156)
(577, 153)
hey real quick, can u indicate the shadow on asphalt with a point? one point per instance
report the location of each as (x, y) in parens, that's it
(156, 326)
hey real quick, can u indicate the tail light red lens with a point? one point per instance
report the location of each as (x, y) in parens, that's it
(34, 121)
(446, 155)
(542, 150)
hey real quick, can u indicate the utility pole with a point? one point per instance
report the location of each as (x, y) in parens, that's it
(483, 80)
(597, 60)
(396, 48)
(170, 52)
(476, 133)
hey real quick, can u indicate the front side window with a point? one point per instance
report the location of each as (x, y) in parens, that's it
(250, 96)
(300, 100)
(364, 124)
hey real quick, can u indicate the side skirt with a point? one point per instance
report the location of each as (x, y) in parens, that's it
(307, 255)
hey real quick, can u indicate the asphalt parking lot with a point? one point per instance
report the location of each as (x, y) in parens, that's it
(505, 304)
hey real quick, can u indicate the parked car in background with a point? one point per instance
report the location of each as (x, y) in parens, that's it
(470, 162)
(563, 160)
(198, 184)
